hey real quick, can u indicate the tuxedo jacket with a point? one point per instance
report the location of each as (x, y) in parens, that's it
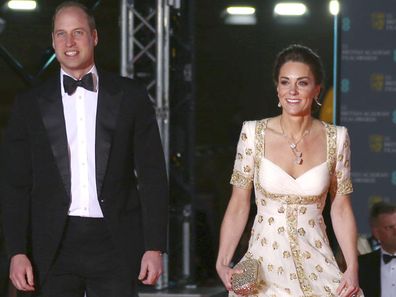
(370, 273)
(130, 172)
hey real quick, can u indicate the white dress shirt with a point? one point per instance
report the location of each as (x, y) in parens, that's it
(388, 277)
(80, 116)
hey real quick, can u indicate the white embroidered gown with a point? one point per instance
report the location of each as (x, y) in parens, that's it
(288, 236)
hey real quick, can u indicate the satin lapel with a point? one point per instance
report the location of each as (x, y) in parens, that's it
(109, 100)
(377, 271)
(54, 121)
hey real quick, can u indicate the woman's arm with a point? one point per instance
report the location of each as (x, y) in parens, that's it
(232, 227)
(346, 232)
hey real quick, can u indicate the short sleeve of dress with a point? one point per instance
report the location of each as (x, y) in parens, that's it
(242, 175)
(341, 182)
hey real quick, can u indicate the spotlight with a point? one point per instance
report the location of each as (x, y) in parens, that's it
(240, 15)
(290, 9)
(334, 7)
(241, 10)
(22, 4)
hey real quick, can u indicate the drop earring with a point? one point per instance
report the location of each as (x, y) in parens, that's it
(317, 101)
(279, 104)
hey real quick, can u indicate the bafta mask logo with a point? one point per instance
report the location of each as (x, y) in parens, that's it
(374, 199)
(378, 20)
(376, 143)
(345, 85)
(346, 24)
(377, 81)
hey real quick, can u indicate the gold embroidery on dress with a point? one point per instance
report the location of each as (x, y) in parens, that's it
(239, 180)
(331, 146)
(291, 216)
(318, 244)
(327, 261)
(289, 199)
(346, 163)
(247, 169)
(249, 255)
(259, 142)
(301, 231)
(275, 245)
(280, 270)
(258, 236)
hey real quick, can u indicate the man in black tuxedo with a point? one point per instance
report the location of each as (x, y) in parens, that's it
(377, 270)
(84, 186)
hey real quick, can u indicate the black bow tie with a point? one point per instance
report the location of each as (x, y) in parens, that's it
(387, 258)
(70, 85)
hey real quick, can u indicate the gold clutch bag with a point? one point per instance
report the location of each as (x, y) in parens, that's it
(246, 283)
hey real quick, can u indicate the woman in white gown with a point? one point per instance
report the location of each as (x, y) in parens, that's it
(292, 161)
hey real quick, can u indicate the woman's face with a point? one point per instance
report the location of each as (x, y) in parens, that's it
(296, 88)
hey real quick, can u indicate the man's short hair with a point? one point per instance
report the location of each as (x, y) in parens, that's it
(381, 208)
(87, 11)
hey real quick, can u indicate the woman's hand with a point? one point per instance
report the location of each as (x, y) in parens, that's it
(349, 286)
(225, 273)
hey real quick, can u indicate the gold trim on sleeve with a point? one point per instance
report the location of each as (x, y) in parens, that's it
(241, 181)
(345, 187)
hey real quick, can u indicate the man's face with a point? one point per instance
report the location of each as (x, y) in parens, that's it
(385, 231)
(74, 41)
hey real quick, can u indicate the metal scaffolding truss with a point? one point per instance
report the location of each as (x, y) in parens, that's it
(145, 55)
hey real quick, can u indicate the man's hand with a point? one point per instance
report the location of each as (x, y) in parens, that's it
(21, 273)
(151, 267)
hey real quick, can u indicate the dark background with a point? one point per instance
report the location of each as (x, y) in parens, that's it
(232, 71)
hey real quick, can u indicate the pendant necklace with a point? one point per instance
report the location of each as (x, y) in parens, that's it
(293, 144)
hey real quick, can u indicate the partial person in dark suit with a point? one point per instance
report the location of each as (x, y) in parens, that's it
(84, 186)
(377, 270)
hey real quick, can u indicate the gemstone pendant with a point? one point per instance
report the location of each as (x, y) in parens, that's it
(298, 160)
(293, 146)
